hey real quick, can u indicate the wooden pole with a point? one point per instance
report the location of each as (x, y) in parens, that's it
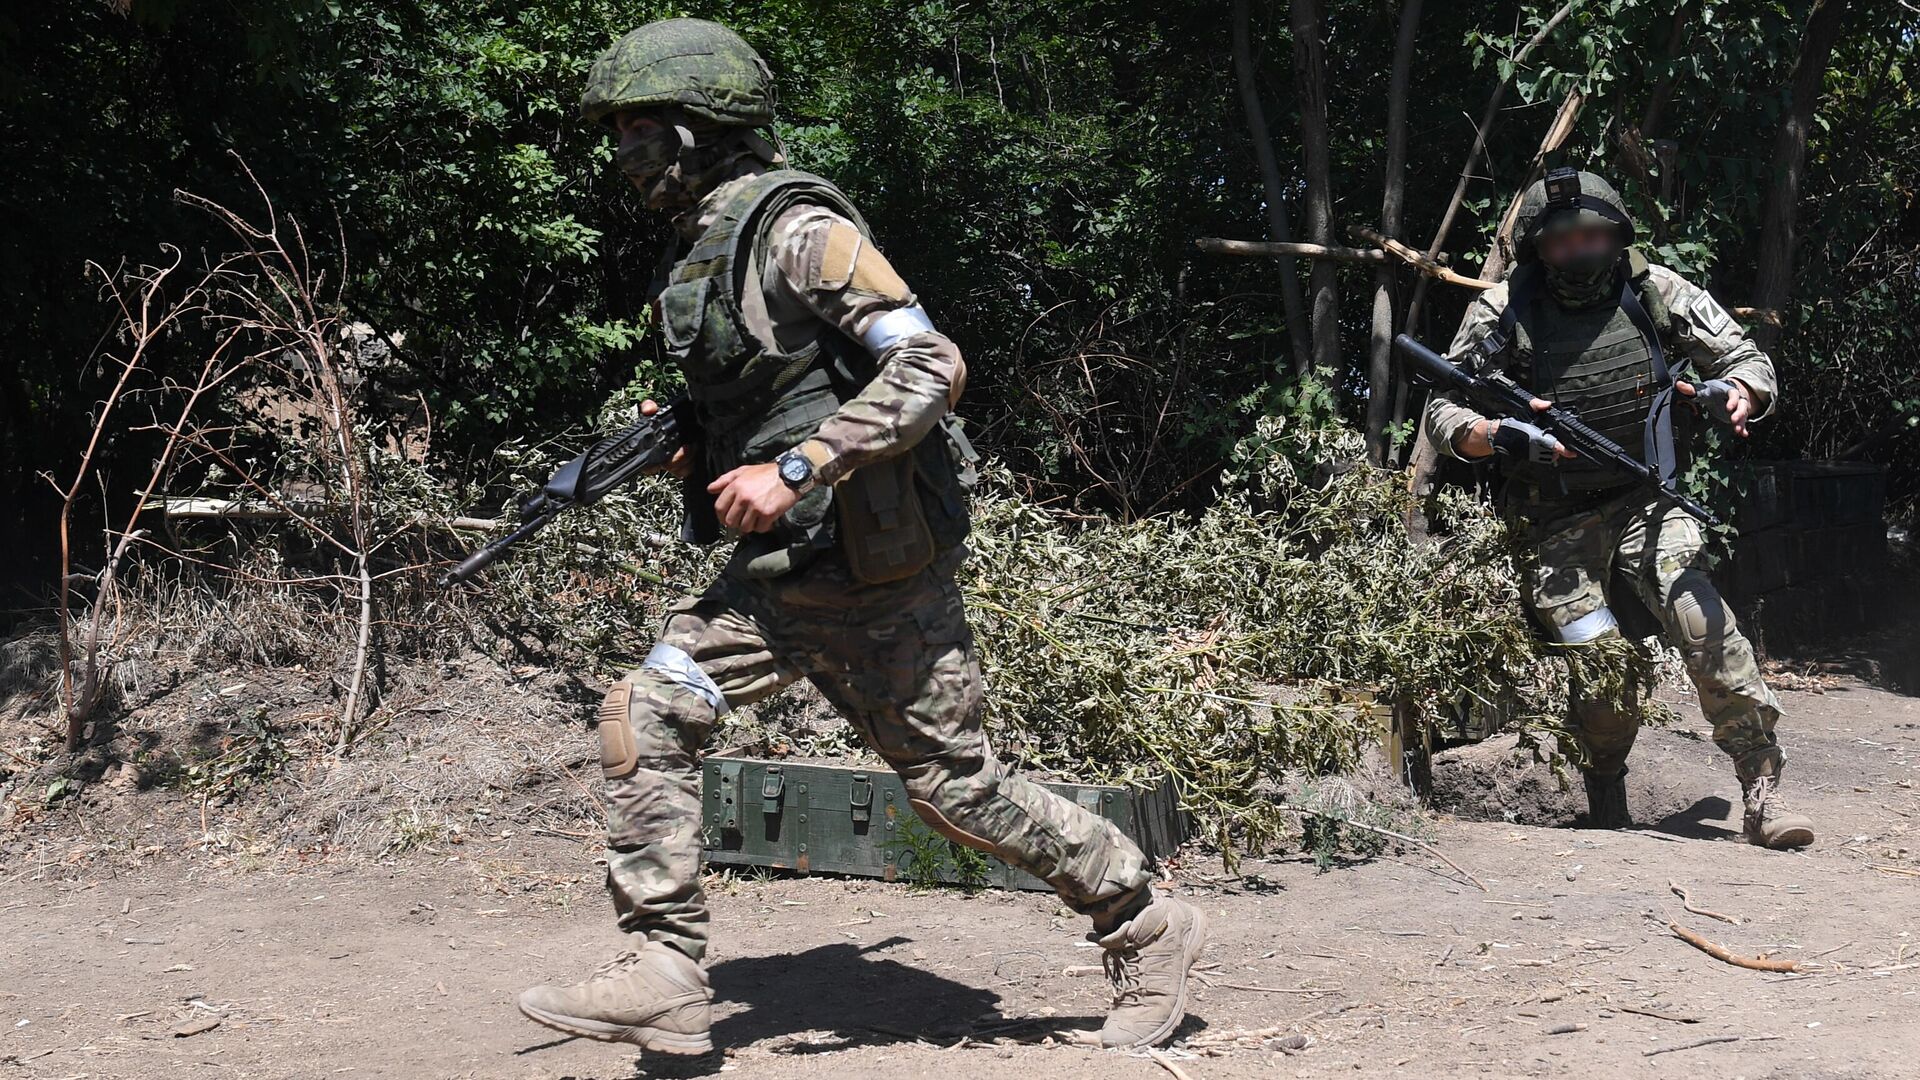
(1214, 245)
(1310, 88)
(1392, 203)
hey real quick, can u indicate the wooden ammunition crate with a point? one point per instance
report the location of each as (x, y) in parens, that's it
(813, 817)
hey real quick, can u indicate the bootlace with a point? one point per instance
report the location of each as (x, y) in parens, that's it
(625, 959)
(1123, 971)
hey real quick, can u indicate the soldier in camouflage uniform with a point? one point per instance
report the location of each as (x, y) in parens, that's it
(822, 392)
(1585, 321)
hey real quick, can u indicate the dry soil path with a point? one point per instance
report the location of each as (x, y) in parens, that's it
(1393, 967)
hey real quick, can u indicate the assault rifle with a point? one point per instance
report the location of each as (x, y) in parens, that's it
(1508, 398)
(607, 465)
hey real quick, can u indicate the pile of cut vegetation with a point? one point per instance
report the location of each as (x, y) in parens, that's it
(1202, 647)
(1220, 649)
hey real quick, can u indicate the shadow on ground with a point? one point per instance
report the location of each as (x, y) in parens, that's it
(842, 996)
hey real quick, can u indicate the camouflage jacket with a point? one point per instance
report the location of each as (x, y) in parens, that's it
(1699, 329)
(819, 269)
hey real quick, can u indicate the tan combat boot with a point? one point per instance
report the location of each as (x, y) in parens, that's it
(1768, 822)
(653, 997)
(1148, 960)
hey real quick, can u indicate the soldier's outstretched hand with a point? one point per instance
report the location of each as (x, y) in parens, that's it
(1726, 400)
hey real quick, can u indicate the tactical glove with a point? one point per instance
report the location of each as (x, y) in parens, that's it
(1522, 441)
(1715, 398)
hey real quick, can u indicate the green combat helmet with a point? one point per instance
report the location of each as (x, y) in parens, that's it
(702, 67)
(1564, 199)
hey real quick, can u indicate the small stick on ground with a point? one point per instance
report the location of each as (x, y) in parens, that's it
(1389, 833)
(1687, 902)
(1209, 1038)
(1719, 952)
(1166, 1063)
(1692, 1045)
(1280, 989)
(1658, 1015)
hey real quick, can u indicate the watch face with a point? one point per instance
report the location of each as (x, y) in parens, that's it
(795, 469)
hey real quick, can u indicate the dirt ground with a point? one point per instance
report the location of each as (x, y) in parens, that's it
(1396, 966)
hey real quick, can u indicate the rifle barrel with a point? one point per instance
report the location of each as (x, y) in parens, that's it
(485, 557)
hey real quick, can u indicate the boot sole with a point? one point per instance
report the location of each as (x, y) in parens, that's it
(1191, 945)
(646, 1038)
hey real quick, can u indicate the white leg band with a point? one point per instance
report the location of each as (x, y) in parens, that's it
(1587, 627)
(679, 668)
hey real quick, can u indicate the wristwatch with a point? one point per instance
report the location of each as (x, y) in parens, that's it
(796, 471)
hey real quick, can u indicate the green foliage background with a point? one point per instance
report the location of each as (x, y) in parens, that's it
(1038, 171)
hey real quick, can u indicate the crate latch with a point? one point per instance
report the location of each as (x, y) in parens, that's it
(771, 788)
(860, 797)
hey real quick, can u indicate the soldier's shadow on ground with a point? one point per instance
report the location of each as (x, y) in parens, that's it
(1704, 820)
(842, 996)
(851, 995)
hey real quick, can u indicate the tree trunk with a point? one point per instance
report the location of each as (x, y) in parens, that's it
(1278, 228)
(1773, 276)
(1640, 151)
(1392, 205)
(1310, 86)
(1423, 473)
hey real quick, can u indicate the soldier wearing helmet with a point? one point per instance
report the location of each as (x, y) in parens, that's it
(822, 392)
(1584, 321)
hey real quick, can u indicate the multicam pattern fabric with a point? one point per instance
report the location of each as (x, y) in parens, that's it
(817, 268)
(1657, 550)
(898, 661)
(1575, 546)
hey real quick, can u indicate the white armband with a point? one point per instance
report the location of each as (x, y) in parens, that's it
(893, 327)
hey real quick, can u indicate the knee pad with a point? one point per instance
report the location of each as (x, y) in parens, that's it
(1699, 616)
(619, 753)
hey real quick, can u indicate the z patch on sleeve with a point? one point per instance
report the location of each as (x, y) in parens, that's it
(1708, 315)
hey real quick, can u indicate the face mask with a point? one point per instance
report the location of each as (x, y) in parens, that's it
(1582, 280)
(643, 157)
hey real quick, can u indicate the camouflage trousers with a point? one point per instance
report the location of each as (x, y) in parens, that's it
(1646, 544)
(898, 661)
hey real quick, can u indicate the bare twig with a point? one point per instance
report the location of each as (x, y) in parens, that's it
(1166, 1063)
(1687, 902)
(1692, 1045)
(1426, 265)
(1280, 989)
(1719, 952)
(1658, 1015)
